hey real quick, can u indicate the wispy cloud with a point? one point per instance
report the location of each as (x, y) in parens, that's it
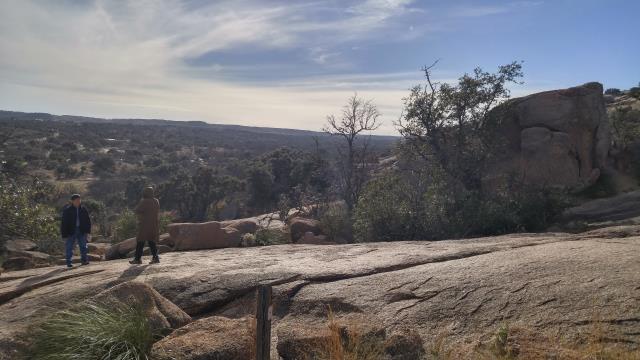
(161, 58)
(480, 10)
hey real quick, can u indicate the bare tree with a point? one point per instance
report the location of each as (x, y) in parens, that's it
(358, 116)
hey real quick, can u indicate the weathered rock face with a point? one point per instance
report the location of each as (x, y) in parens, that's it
(554, 282)
(556, 138)
(209, 338)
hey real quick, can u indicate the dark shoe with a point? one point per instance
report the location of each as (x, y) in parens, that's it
(69, 266)
(135, 262)
(85, 263)
(155, 260)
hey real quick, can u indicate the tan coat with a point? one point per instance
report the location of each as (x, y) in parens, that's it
(148, 223)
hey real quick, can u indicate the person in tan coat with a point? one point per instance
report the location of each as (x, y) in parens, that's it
(148, 226)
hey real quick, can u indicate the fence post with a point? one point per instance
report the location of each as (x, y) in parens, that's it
(264, 312)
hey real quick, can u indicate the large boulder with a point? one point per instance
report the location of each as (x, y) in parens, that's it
(611, 210)
(208, 338)
(208, 235)
(121, 249)
(17, 245)
(554, 138)
(161, 313)
(244, 226)
(300, 226)
(22, 260)
(98, 248)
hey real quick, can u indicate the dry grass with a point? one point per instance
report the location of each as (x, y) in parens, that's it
(347, 342)
(517, 343)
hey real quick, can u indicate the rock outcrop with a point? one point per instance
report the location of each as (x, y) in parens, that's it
(623, 209)
(209, 338)
(554, 138)
(300, 226)
(162, 314)
(22, 260)
(554, 283)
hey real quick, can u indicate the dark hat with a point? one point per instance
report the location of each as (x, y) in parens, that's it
(75, 196)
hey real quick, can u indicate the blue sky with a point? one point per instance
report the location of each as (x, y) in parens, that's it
(292, 63)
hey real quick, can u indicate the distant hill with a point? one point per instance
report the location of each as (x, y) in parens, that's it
(270, 137)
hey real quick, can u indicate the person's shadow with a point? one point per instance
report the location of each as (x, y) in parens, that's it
(129, 274)
(36, 279)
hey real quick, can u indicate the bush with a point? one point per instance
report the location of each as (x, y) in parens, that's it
(22, 214)
(93, 331)
(104, 165)
(394, 207)
(265, 237)
(635, 92)
(335, 222)
(384, 212)
(165, 219)
(604, 187)
(613, 91)
(98, 212)
(126, 226)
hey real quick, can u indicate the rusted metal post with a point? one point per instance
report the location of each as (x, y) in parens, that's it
(264, 313)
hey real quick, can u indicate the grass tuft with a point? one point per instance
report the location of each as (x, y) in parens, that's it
(348, 343)
(93, 331)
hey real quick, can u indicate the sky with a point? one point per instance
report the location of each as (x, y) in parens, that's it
(290, 64)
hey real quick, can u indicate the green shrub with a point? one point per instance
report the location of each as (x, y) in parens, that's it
(613, 91)
(384, 211)
(335, 222)
(23, 214)
(266, 237)
(125, 226)
(395, 207)
(604, 187)
(93, 331)
(165, 218)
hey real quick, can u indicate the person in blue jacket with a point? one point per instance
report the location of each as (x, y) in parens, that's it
(75, 226)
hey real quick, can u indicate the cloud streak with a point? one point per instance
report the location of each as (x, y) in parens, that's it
(158, 58)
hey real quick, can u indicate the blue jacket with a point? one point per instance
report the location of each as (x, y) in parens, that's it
(68, 223)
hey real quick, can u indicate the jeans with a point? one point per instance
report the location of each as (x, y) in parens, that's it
(82, 243)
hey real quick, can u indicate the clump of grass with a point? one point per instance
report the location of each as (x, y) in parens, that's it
(94, 331)
(518, 343)
(348, 343)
